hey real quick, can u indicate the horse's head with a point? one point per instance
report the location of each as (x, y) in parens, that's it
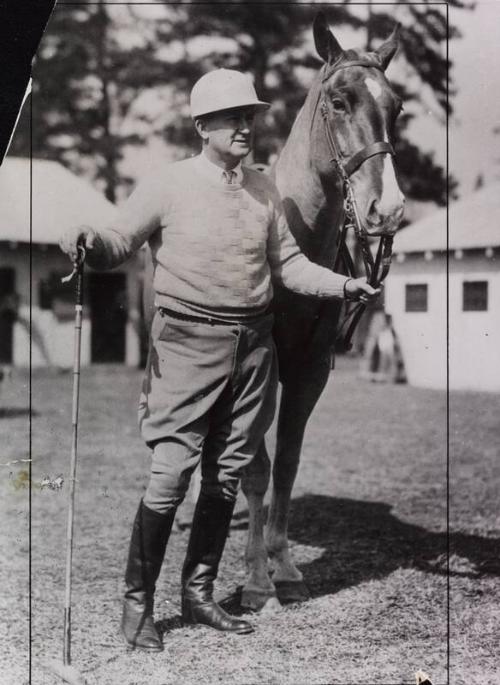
(353, 122)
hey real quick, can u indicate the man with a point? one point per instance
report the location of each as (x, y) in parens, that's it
(217, 234)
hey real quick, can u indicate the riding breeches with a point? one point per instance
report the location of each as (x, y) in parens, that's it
(209, 394)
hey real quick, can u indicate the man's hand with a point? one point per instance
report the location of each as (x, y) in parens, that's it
(360, 290)
(81, 235)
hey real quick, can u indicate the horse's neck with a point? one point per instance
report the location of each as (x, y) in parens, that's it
(313, 209)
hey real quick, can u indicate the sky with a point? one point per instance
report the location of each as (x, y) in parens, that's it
(473, 148)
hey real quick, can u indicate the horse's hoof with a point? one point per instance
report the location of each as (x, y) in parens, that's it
(291, 591)
(272, 606)
(259, 600)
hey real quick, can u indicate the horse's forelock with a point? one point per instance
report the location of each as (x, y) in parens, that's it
(352, 54)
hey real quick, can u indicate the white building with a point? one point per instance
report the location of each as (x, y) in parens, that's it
(35, 307)
(444, 286)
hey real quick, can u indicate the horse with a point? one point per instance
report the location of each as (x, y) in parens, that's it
(338, 158)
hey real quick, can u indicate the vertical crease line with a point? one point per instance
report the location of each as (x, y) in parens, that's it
(30, 395)
(448, 580)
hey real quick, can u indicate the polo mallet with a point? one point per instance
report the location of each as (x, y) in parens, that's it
(65, 670)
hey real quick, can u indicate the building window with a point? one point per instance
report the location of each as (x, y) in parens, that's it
(416, 297)
(475, 296)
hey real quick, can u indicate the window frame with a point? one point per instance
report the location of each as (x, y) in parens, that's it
(469, 300)
(412, 307)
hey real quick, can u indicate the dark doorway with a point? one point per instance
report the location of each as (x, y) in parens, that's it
(108, 306)
(8, 313)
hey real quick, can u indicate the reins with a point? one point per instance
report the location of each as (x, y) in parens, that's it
(378, 268)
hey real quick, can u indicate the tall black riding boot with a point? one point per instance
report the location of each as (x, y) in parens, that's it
(211, 521)
(150, 535)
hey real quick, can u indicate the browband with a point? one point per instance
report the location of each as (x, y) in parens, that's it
(350, 63)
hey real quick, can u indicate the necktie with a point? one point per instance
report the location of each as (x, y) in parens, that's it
(228, 176)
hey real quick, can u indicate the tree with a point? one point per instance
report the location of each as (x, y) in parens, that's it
(424, 34)
(271, 41)
(265, 39)
(95, 60)
(85, 80)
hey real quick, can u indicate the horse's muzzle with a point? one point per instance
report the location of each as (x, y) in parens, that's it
(384, 221)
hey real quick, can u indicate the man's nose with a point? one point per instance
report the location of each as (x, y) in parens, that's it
(245, 122)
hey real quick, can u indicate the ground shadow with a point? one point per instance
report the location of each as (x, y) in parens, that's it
(364, 541)
(15, 412)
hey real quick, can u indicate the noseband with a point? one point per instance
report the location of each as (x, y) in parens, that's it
(378, 268)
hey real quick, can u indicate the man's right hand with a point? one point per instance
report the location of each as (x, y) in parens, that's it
(80, 235)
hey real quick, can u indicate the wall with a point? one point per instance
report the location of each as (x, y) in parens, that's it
(474, 337)
(52, 339)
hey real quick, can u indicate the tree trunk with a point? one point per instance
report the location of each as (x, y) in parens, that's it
(260, 70)
(109, 172)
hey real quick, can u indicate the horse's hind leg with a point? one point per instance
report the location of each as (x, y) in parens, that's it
(258, 591)
(297, 402)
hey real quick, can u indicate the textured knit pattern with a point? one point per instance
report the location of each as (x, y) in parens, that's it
(216, 247)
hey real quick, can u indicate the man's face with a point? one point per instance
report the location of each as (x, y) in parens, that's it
(228, 134)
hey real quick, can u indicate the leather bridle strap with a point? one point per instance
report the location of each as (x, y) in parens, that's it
(370, 63)
(369, 151)
(380, 147)
(345, 169)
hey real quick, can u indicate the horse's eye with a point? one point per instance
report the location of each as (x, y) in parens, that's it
(338, 105)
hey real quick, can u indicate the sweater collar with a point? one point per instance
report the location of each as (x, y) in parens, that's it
(213, 172)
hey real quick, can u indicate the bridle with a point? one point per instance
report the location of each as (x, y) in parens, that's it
(378, 268)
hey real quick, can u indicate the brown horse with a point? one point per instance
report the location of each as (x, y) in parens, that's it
(349, 114)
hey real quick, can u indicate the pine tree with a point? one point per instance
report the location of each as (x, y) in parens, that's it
(85, 80)
(96, 59)
(272, 41)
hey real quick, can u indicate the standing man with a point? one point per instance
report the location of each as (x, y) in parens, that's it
(218, 238)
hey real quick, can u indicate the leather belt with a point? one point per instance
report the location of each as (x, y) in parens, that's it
(211, 321)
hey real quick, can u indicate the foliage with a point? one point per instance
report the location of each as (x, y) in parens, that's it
(84, 83)
(273, 42)
(98, 61)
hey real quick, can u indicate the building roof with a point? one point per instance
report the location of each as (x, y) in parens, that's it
(474, 222)
(59, 200)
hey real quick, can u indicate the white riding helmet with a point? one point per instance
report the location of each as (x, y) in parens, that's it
(223, 89)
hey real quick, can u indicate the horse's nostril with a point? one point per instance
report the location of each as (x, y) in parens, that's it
(372, 208)
(379, 211)
(373, 214)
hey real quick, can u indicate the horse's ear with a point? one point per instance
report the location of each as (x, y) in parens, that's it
(326, 44)
(388, 49)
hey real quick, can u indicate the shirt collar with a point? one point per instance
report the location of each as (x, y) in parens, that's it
(214, 172)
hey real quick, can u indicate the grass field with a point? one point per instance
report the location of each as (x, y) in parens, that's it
(368, 530)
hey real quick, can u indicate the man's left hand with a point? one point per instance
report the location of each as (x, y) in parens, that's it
(360, 290)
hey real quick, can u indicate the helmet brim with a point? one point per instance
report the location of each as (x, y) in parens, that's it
(258, 104)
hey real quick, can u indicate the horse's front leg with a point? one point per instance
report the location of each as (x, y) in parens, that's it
(297, 402)
(258, 592)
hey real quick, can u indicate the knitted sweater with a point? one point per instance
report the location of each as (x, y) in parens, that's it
(216, 248)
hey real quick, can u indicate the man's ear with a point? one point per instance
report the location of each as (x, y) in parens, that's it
(201, 127)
